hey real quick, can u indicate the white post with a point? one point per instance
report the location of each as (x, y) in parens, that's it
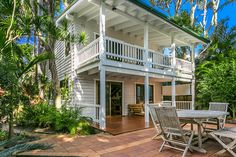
(193, 74)
(146, 82)
(102, 44)
(173, 85)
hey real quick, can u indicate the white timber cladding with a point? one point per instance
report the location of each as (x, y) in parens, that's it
(84, 95)
(183, 89)
(126, 30)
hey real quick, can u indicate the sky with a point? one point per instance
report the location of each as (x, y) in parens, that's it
(229, 11)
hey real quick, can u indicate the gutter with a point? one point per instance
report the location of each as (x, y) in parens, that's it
(208, 45)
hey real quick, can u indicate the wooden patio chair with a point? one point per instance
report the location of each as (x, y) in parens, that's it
(155, 119)
(227, 133)
(220, 122)
(170, 127)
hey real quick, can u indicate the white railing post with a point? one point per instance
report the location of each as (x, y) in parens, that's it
(102, 44)
(193, 75)
(173, 85)
(146, 82)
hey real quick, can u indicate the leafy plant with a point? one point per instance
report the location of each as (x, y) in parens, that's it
(18, 144)
(23, 148)
(216, 70)
(3, 135)
(65, 120)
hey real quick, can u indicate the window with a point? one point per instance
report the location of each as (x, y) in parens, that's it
(140, 93)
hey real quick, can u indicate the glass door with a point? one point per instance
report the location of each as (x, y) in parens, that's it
(113, 97)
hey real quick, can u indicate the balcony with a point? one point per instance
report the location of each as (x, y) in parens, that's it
(130, 55)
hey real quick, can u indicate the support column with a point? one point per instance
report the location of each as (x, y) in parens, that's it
(193, 75)
(102, 44)
(146, 81)
(173, 85)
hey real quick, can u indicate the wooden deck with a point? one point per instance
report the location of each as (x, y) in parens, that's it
(122, 124)
(133, 144)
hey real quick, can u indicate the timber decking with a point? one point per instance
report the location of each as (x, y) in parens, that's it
(122, 124)
(133, 144)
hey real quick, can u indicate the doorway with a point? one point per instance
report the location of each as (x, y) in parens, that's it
(113, 98)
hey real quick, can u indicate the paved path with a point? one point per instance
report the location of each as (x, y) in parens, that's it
(134, 144)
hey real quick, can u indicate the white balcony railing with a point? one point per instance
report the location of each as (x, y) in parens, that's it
(121, 51)
(183, 65)
(158, 60)
(91, 51)
(181, 105)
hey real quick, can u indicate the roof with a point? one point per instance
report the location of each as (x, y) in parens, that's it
(155, 12)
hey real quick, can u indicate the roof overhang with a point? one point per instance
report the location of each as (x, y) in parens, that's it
(129, 17)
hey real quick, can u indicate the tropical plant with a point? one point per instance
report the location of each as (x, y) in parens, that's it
(67, 120)
(216, 70)
(15, 63)
(20, 144)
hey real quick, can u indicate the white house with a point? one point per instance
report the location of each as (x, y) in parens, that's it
(123, 63)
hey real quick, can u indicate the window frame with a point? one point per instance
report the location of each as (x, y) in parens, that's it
(151, 100)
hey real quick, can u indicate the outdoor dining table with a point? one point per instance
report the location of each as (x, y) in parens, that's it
(197, 117)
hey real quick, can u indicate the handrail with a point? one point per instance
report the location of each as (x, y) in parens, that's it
(184, 65)
(88, 46)
(121, 41)
(118, 50)
(89, 52)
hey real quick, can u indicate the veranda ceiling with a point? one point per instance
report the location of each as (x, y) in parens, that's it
(129, 17)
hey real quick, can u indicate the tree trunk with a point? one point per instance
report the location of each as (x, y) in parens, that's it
(10, 125)
(204, 18)
(52, 63)
(192, 12)
(177, 7)
(215, 5)
(56, 84)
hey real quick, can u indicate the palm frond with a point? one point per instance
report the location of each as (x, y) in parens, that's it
(23, 148)
(38, 59)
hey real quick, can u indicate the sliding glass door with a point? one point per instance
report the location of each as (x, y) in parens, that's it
(113, 97)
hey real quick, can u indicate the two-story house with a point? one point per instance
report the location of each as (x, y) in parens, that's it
(123, 62)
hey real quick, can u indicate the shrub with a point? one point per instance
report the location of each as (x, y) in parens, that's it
(65, 120)
(3, 135)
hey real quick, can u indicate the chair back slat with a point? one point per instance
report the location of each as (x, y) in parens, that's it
(218, 106)
(153, 114)
(168, 119)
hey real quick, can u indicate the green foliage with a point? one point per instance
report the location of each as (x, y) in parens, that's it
(216, 71)
(183, 20)
(17, 140)
(23, 148)
(66, 120)
(19, 144)
(3, 135)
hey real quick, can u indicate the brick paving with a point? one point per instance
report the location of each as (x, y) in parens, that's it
(133, 144)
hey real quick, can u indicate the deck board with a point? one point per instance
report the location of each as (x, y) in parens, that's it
(116, 125)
